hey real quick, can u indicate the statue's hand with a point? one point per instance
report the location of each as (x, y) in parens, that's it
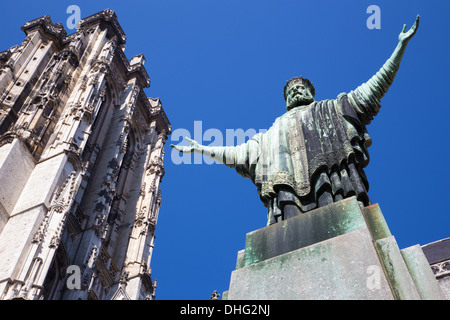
(405, 36)
(193, 146)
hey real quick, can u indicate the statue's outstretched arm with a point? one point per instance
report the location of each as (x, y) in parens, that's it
(243, 158)
(214, 152)
(367, 96)
(194, 146)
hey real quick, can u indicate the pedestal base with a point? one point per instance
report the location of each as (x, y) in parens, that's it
(340, 251)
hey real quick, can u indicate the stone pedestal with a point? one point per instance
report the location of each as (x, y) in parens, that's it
(340, 251)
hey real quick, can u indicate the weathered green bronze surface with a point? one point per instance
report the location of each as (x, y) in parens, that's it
(315, 153)
(303, 230)
(339, 251)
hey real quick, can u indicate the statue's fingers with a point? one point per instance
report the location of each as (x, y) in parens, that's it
(416, 23)
(179, 148)
(189, 140)
(404, 28)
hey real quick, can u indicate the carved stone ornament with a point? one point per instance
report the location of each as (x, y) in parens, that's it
(7, 138)
(441, 269)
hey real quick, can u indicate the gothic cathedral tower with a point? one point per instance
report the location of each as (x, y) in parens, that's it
(81, 162)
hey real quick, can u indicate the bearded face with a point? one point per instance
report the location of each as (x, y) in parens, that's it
(298, 95)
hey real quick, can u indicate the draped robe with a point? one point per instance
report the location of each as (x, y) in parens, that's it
(313, 155)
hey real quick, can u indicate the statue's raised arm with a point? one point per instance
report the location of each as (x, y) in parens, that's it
(403, 40)
(366, 98)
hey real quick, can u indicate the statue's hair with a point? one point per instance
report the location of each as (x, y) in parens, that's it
(301, 80)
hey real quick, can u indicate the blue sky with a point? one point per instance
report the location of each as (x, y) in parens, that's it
(225, 63)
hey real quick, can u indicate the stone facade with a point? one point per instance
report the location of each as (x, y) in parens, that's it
(438, 255)
(81, 162)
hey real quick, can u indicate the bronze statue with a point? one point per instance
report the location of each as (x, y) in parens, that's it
(315, 153)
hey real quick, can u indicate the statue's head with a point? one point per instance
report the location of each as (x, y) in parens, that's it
(298, 92)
